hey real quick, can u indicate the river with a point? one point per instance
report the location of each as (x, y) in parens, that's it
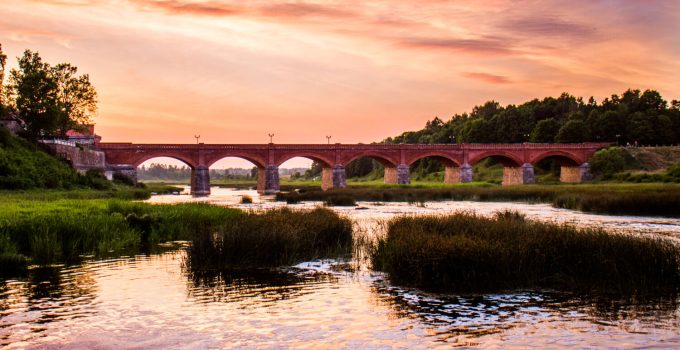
(151, 301)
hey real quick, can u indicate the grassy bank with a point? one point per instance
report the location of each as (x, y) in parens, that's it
(465, 252)
(619, 199)
(48, 230)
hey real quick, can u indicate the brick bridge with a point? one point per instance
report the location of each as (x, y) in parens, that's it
(518, 160)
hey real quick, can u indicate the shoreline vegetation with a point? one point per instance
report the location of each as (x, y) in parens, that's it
(48, 230)
(465, 252)
(461, 252)
(613, 199)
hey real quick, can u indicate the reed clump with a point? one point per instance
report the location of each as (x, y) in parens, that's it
(629, 203)
(340, 200)
(272, 238)
(466, 252)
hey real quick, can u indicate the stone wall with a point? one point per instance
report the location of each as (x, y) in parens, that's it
(80, 159)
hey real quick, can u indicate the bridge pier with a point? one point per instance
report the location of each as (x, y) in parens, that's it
(454, 174)
(200, 181)
(268, 180)
(575, 174)
(401, 174)
(127, 170)
(518, 175)
(333, 177)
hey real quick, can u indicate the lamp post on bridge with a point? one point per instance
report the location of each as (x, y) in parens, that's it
(271, 138)
(197, 137)
(328, 138)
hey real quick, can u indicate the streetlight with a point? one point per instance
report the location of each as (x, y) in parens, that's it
(197, 137)
(328, 138)
(452, 138)
(271, 138)
(617, 139)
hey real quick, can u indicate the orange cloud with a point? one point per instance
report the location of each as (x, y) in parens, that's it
(488, 78)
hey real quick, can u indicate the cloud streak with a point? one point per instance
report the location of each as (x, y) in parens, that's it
(487, 78)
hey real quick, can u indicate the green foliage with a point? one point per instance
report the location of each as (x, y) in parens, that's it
(573, 131)
(24, 166)
(50, 100)
(545, 131)
(606, 162)
(465, 252)
(634, 116)
(674, 170)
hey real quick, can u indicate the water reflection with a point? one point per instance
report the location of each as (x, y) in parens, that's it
(48, 294)
(254, 287)
(464, 319)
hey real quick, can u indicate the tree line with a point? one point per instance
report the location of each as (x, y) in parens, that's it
(635, 116)
(47, 100)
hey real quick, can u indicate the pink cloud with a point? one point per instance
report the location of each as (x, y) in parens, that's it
(488, 78)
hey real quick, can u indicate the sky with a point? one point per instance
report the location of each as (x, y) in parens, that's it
(358, 71)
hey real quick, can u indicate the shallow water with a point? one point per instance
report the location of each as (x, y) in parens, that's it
(153, 302)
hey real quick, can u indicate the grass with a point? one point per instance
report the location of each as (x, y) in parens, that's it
(43, 230)
(465, 252)
(616, 199)
(272, 238)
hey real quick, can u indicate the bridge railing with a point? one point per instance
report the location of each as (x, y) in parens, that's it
(465, 146)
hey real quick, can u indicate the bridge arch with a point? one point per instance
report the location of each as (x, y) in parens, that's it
(257, 160)
(383, 159)
(507, 159)
(177, 156)
(325, 160)
(565, 158)
(442, 157)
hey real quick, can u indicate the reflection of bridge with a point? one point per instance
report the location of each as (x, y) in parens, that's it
(518, 160)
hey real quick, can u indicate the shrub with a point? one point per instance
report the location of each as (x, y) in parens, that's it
(608, 161)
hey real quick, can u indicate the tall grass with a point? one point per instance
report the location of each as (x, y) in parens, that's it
(467, 252)
(653, 199)
(272, 238)
(45, 232)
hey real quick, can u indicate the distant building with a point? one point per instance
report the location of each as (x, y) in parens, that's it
(84, 136)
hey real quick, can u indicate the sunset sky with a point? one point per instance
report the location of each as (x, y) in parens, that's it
(233, 71)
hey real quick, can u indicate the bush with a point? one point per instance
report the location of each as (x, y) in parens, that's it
(246, 200)
(606, 162)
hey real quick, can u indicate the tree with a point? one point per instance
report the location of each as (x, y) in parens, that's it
(573, 131)
(33, 94)
(3, 61)
(76, 98)
(545, 131)
(50, 100)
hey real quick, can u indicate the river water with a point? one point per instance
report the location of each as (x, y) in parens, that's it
(151, 301)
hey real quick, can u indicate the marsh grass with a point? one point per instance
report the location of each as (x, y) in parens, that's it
(46, 232)
(272, 238)
(464, 252)
(616, 199)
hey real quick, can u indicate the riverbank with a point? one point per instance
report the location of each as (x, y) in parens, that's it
(614, 199)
